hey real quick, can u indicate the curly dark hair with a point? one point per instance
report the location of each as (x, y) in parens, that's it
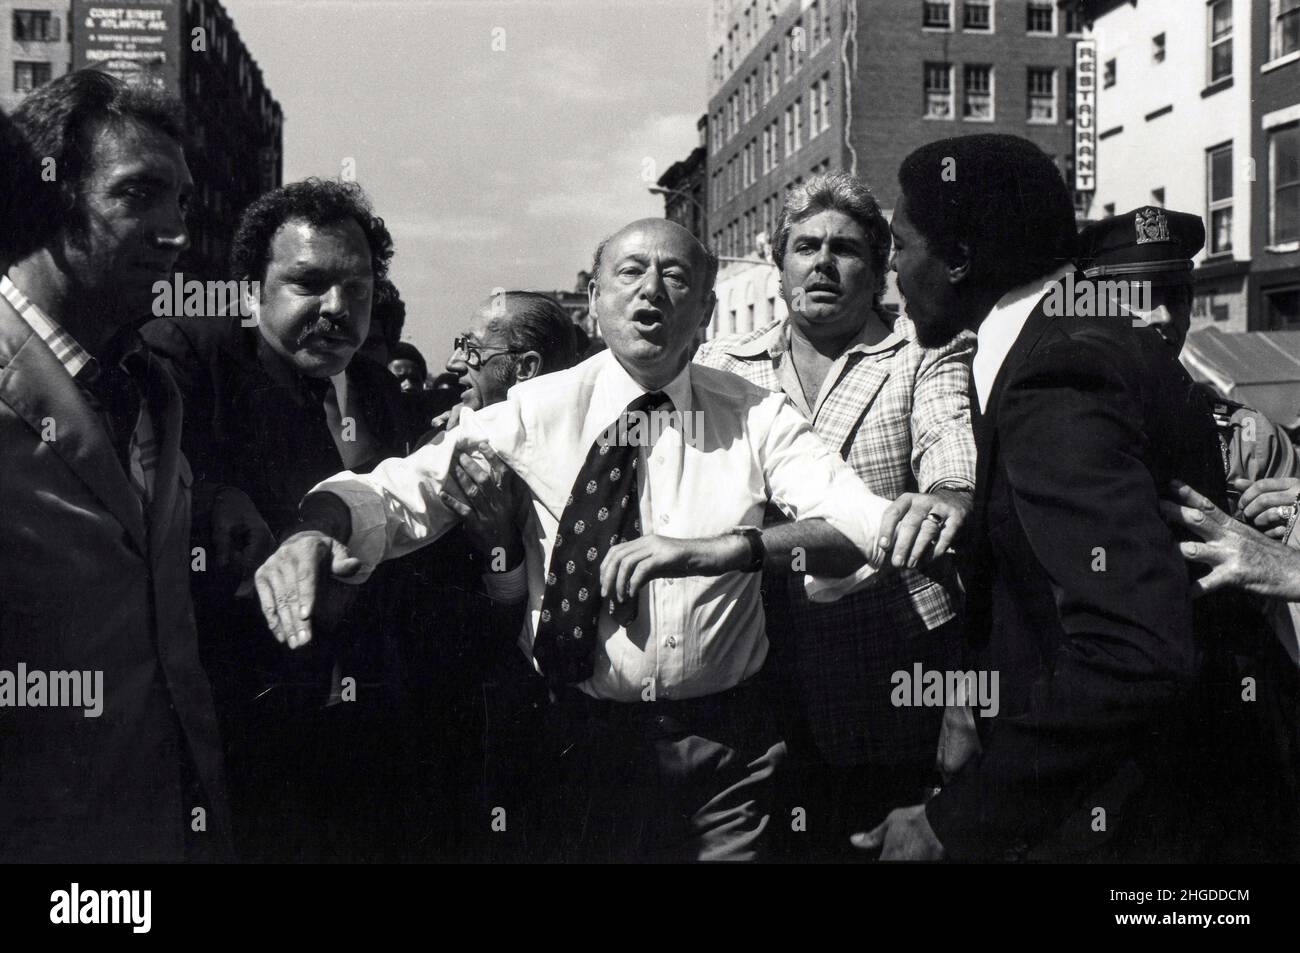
(1000, 196)
(314, 201)
(57, 121)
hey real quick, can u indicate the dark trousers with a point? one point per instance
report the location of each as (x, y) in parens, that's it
(663, 781)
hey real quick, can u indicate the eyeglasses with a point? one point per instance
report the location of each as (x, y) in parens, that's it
(474, 353)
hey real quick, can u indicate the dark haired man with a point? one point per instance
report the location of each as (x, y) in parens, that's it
(95, 497)
(1077, 595)
(274, 402)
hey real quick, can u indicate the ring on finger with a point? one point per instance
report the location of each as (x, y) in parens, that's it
(936, 519)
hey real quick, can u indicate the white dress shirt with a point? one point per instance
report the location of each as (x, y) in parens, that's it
(692, 636)
(1000, 329)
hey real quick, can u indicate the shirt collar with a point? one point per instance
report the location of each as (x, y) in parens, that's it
(619, 389)
(998, 332)
(70, 354)
(775, 341)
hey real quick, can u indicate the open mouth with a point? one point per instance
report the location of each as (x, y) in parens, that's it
(648, 318)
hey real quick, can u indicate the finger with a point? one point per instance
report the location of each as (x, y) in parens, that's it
(1200, 553)
(926, 534)
(872, 839)
(286, 602)
(477, 473)
(455, 505)
(495, 463)
(1217, 578)
(889, 521)
(1278, 515)
(266, 596)
(344, 565)
(1262, 502)
(468, 485)
(1191, 498)
(948, 534)
(905, 536)
(1286, 485)
(623, 576)
(305, 583)
(609, 569)
(1276, 532)
(1182, 517)
(646, 569)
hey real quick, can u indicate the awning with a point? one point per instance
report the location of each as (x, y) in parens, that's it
(1258, 368)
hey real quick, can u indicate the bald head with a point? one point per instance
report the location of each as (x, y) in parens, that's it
(707, 259)
(651, 292)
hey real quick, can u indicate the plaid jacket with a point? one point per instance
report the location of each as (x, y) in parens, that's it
(899, 414)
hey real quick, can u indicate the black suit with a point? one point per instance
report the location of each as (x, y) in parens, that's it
(1079, 598)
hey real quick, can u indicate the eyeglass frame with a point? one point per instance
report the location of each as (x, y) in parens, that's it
(474, 352)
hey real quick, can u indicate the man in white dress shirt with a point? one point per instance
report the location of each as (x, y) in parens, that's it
(650, 636)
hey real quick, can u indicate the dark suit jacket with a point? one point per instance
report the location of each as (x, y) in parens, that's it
(88, 584)
(1078, 596)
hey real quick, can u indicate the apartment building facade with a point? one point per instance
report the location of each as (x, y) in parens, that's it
(34, 46)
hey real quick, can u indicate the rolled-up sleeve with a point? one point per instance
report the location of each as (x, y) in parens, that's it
(395, 507)
(809, 481)
(943, 446)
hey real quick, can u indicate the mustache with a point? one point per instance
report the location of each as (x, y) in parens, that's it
(324, 326)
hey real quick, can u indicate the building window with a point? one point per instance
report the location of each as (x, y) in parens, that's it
(814, 26)
(815, 110)
(826, 101)
(767, 78)
(1218, 163)
(776, 69)
(789, 132)
(1073, 22)
(797, 105)
(1158, 197)
(1220, 13)
(936, 14)
(776, 145)
(1108, 74)
(1284, 172)
(27, 76)
(826, 20)
(35, 26)
(1040, 17)
(938, 90)
(1158, 48)
(1042, 94)
(1286, 28)
(748, 101)
(977, 93)
(977, 15)
(1282, 307)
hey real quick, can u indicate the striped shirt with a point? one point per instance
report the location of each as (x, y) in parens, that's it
(84, 369)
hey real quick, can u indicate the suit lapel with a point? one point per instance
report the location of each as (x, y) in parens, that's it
(986, 426)
(42, 393)
(165, 408)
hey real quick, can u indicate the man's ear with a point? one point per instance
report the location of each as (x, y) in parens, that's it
(528, 366)
(959, 269)
(591, 296)
(250, 301)
(710, 303)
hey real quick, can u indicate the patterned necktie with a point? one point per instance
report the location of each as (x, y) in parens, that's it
(602, 511)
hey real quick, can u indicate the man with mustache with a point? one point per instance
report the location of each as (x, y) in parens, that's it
(641, 560)
(276, 401)
(95, 492)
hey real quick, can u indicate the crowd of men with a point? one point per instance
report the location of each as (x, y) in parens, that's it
(857, 585)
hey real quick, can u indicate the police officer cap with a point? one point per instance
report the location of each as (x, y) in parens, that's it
(1149, 242)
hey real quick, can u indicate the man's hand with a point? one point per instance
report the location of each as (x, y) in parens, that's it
(629, 566)
(959, 741)
(491, 504)
(915, 521)
(239, 534)
(447, 419)
(904, 835)
(1238, 556)
(1268, 504)
(287, 583)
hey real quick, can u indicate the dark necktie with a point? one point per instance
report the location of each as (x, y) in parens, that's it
(117, 392)
(602, 510)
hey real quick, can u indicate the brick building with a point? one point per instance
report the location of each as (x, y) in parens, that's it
(1201, 113)
(803, 86)
(684, 189)
(34, 46)
(235, 126)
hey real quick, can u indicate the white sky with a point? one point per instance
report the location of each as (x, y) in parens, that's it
(492, 168)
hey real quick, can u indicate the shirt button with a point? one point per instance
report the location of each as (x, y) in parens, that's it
(664, 519)
(659, 458)
(672, 641)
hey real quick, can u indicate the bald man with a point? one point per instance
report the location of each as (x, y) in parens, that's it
(646, 478)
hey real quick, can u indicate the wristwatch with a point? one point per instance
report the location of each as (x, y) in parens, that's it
(757, 551)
